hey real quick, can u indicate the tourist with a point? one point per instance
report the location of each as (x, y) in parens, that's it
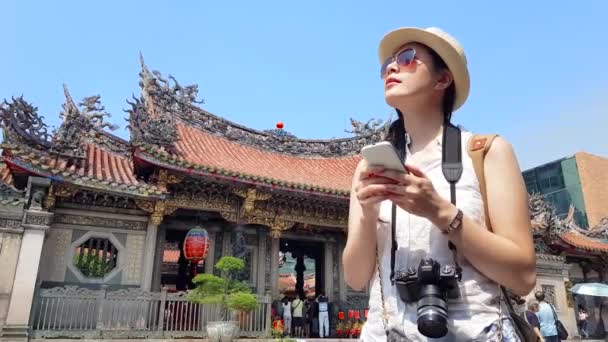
(546, 318)
(532, 319)
(425, 78)
(323, 304)
(310, 308)
(297, 309)
(582, 321)
(287, 315)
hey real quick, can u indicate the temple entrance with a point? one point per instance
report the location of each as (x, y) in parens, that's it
(176, 270)
(301, 267)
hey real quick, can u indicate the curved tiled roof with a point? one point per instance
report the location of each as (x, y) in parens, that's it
(101, 169)
(580, 241)
(197, 150)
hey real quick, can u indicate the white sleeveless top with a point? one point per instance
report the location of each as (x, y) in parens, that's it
(418, 238)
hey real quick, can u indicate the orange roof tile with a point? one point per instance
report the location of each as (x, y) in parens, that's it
(100, 168)
(197, 148)
(578, 240)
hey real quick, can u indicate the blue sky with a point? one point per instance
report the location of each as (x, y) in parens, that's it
(538, 69)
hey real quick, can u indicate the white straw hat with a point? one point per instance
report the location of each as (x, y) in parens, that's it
(439, 41)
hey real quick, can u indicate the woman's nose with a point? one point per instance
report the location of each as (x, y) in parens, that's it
(393, 67)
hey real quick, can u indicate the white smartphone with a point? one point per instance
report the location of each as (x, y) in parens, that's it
(383, 154)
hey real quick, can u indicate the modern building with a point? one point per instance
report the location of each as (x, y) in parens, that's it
(579, 181)
(92, 225)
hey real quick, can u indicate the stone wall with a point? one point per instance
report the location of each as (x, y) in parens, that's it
(71, 227)
(10, 244)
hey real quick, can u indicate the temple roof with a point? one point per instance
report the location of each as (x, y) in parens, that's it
(197, 151)
(171, 131)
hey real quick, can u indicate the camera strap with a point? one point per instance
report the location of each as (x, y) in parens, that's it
(451, 166)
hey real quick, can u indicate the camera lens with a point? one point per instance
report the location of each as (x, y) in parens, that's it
(432, 312)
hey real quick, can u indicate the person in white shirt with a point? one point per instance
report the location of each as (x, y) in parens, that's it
(287, 315)
(323, 315)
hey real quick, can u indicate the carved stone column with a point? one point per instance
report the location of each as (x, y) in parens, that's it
(209, 261)
(342, 285)
(149, 253)
(158, 258)
(261, 269)
(329, 266)
(274, 268)
(36, 222)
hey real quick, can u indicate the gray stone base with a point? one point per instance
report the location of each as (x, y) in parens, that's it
(14, 333)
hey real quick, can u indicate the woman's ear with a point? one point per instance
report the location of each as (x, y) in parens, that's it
(444, 80)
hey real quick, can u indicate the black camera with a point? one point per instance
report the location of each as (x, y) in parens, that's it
(431, 286)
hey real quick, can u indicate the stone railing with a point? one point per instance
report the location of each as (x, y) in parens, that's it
(75, 312)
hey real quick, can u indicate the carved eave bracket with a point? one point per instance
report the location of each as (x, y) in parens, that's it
(57, 190)
(165, 178)
(157, 209)
(250, 196)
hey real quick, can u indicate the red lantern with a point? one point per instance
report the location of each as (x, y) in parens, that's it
(357, 314)
(279, 125)
(196, 246)
(350, 314)
(341, 315)
(366, 312)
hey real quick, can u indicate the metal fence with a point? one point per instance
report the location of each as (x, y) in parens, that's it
(75, 312)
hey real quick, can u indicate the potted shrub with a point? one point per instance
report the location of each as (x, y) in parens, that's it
(231, 295)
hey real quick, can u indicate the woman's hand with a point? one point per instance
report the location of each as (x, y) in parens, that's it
(370, 189)
(414, 193)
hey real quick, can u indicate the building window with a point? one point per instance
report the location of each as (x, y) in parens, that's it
(95, 257)
(549, 291)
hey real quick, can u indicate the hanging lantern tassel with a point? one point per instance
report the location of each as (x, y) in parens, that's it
(196, 247)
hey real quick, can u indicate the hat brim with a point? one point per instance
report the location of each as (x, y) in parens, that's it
(457, 64)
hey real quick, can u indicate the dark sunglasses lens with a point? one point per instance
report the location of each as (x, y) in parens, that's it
(385, 66)
(406, 57)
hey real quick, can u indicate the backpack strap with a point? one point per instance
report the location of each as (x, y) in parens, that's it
(479, 144)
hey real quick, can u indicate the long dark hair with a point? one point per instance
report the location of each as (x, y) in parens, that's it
(396, 131)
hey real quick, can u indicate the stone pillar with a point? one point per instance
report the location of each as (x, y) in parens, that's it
(158, 258)
(261, 269)
(329, 267)
(274, 268)
(149, 252)
(36, 222)
(342, 286)
(300, 268)
(209, 261)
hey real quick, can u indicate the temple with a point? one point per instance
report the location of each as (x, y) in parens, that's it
(91, 223)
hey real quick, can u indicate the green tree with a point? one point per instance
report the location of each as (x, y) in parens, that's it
(231, 294)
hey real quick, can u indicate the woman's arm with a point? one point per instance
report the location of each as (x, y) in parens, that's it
(359, 256)
(505, 255)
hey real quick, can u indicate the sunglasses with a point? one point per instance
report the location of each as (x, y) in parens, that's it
(404, 58)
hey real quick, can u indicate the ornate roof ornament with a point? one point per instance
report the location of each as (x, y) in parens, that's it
(152, 117)
(372, 127)
(599, 231)
(22, 117)
(280, 133)
(78, 125)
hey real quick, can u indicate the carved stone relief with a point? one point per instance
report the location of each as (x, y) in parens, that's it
(99, 222)
(135, 252)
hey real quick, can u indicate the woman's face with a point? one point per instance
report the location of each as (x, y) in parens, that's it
(414, 82)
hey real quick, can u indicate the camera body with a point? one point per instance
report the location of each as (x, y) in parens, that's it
(430, 286)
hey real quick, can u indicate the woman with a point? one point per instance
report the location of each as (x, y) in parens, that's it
(425, 79)
(582, 321)
(532, 319)
(287, 315)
